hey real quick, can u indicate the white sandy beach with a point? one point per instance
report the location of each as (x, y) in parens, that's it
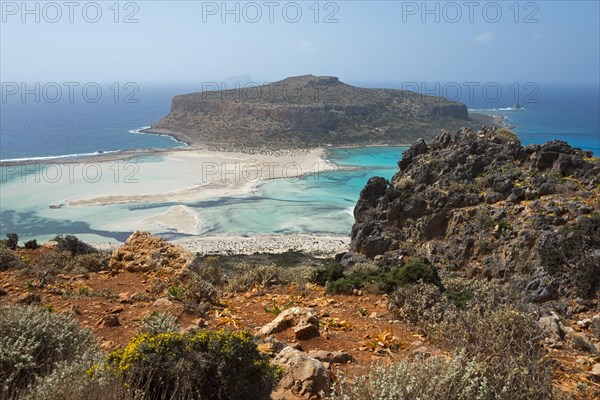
(172, 192)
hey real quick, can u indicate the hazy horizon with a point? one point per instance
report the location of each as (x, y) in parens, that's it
(154, 41)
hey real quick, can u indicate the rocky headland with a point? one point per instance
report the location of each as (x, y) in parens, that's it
(310, 111)
(481, 204)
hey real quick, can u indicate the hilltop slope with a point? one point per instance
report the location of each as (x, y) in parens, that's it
(481, 203)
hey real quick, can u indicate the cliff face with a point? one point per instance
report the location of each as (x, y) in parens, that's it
(307, 111)
(480, 203)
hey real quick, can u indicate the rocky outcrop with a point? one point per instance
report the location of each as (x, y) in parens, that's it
(143, 252)
(480, 202)
(304, 322)
(307, 111)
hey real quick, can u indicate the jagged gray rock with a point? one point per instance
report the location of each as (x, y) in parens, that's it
(480, 202)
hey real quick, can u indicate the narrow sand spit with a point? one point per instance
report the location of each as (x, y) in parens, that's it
(202, 174)
(180, 218)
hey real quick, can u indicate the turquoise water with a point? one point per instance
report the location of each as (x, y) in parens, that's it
(317, 203)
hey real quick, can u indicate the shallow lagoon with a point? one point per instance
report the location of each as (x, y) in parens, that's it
(317, 203)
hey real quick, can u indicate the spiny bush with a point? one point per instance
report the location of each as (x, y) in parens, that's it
(33, 342)
(491, 326)
(434, 378)
(78, 380)
(31, 244)
(9, 260)
(159, 322)
(203, 365)
(245, 277)
(209, 269)
(73, 245)
(570, 254)
(91, 262)
(51, 263)
(12, 241)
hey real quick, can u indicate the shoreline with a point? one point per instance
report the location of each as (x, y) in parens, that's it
(326, 245)
(118, 155)
(315, 244)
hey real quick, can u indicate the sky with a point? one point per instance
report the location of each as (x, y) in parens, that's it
(357, 41)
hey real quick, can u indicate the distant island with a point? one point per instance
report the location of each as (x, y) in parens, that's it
(310, 111)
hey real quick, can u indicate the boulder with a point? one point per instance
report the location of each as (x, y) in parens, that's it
(550, 325)
(305, 376)
(29, 298)
(331, 357)
(143, 252)
(304, 321)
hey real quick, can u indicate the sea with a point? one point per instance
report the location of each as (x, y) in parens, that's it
(38, 126)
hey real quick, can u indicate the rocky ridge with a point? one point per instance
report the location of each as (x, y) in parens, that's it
(307, 111)
(480, 203)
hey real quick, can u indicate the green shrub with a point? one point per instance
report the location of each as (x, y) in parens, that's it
(413, 272)
(202, 365)
(12, 241)
(330, 273)
(31, 244)
(9, 260)
(33, 342)
(73, 245)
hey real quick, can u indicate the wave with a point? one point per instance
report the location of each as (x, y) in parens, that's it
(139, 132)
(45, 158)
(495, 109)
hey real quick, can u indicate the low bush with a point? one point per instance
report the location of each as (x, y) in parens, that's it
(433, 378)
(12, 241)
(33, 342)
(83, 379)
(246, 277)
(91, 262)
(386, 281)
(330, 273)
(73, 245)
(570, 255)
(159, 322)
(10, 260)
(202, 365)
(31, 244)
(489, 324)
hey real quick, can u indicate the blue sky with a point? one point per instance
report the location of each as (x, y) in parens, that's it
(394, 41)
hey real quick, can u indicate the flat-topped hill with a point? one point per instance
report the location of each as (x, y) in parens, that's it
(307, 111)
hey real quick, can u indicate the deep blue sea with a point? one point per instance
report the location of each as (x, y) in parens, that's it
(34, 130)
(30, 129)
(548, 111)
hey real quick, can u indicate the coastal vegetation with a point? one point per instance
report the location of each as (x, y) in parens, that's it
(472, 273)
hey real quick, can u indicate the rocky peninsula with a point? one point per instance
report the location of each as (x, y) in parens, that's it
(310, 111)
